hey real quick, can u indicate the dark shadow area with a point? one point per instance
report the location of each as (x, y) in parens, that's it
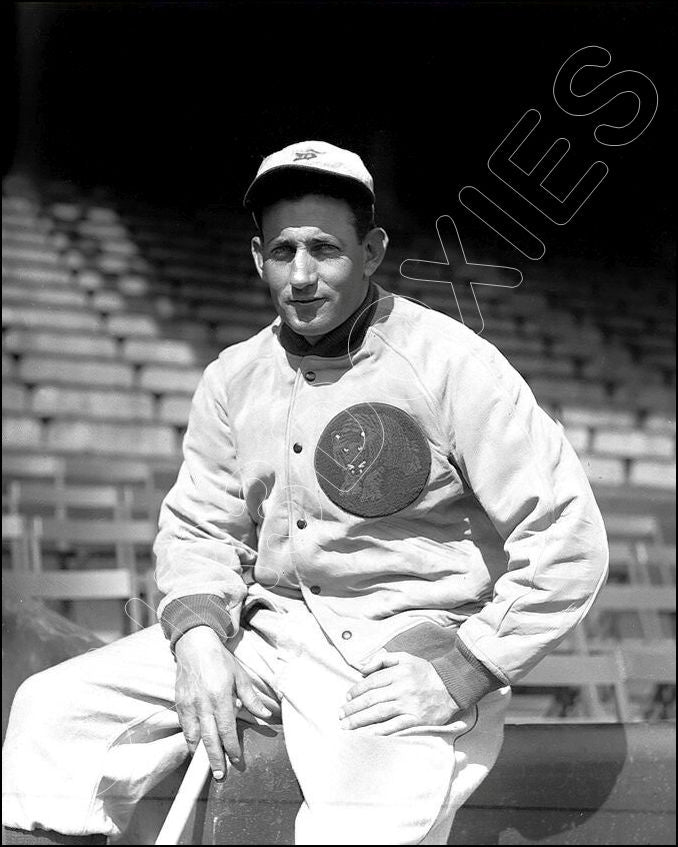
(178, 103)
(576, 784)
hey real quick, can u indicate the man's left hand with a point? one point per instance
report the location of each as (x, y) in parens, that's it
(399, 692)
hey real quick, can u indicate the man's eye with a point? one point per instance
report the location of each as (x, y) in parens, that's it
(282, 252)
(327, 248)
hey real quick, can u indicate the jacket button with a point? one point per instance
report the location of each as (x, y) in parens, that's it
(301, 523)
(315, 589)
(297, 448)
(310, 376)
(346, 634)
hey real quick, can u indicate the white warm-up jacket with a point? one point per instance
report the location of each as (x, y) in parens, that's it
(404, 476)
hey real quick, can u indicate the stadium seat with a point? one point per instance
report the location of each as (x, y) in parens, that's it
(64, 501)
(20, 432)
(660, 423)
(174, 409)
(107, 301)
(597, 417)
(89, 279)
(654, 474)
(567, 391)
(54, 401)
(107, 469)
(102, 215)
(8, 366)
(112, 263)
(638, 528)
(43, 369)
(634, 611)
(65, 211)
(633, 444)
(649, 398)
(105, 584)
(121, 439)
(604, 471)
(122, 546)
(70, 298)
(18, 542)
(645, 562)
(13, 257)
(159, 350)
(102, 230)
(129, 324)
(514, 344)
(142, 484)
(14, 397)
(576, 671)
(124, 539)
(579, 438)
(132, 285)
(32, 275)
(120, 246)
(32, 466)
(33, 317)
(59, 343)
(654, 663)
(168, 380)
(196, 332)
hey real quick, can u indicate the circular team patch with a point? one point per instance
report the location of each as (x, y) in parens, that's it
(372, 460)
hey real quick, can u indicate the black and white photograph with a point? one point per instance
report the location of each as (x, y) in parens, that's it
(339, 422)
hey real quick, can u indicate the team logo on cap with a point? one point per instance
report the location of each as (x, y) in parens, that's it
(372, 460)
(299, 155)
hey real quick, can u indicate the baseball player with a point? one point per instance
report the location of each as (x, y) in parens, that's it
(374, 533)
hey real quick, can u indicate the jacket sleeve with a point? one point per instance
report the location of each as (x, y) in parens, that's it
(206, 535)
(529, 481)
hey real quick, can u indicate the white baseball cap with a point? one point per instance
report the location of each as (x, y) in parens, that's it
(312, 157)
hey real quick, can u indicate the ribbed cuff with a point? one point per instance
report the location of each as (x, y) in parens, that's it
(465, 676)
(185, 613)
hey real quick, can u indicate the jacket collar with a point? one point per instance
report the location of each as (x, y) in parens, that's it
(342, 339)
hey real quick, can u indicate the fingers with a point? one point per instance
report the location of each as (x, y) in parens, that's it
(210, 736)
(382, 659)
(368, 699)
(378, 679)
(250, 699)
(389, 727)
(225, 721)
(190, 726)
(371, 715)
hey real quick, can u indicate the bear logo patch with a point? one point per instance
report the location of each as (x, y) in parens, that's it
(372, 460)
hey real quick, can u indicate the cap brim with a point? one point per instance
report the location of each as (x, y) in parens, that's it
(267, 180)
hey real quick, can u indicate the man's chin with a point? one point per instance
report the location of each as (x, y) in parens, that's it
(309, 330)
(314, 327)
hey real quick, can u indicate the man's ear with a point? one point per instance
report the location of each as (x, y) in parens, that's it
(258, 254)
(374, 245)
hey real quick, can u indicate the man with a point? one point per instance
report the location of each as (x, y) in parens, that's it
(375, 531)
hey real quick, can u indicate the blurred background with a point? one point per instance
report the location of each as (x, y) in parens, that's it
(131, 133)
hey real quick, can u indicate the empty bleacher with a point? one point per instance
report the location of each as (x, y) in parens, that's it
(111, 310)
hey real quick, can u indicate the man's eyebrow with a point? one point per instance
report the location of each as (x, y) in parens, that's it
(280, 240)
(287, 240)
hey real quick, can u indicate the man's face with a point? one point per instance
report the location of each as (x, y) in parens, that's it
(310, 256)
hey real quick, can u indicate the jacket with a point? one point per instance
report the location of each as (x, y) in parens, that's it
(400, 474)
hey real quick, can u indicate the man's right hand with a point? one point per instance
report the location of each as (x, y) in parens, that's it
(210, 686)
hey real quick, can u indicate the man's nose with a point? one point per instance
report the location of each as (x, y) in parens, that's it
(303, 270)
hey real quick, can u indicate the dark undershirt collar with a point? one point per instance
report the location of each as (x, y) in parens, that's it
(342, 339)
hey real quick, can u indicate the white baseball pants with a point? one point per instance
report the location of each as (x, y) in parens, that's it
(89, 737)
